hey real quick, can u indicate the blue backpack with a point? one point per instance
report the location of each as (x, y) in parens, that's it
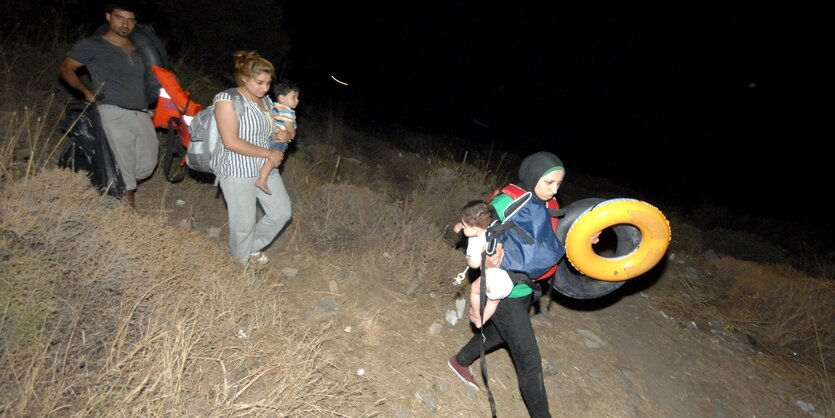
(530, 243)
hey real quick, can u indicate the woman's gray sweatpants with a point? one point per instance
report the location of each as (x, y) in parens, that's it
(245, 234)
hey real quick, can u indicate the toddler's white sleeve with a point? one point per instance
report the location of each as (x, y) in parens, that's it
(498, 282)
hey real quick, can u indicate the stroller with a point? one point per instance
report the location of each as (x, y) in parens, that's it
(174, 112)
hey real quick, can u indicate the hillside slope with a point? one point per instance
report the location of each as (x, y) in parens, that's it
(629, 354)
(352, 316)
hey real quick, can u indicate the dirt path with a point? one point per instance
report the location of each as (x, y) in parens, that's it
(678, 371)
(622, 359)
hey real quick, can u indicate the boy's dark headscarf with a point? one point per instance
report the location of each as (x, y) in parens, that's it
(535, 166)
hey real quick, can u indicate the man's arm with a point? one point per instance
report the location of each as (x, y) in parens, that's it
(67, 70)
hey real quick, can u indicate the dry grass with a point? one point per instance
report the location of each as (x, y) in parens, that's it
(31, 138)
(780, 308)
(771, 308)
(343, 220)
(111, 314)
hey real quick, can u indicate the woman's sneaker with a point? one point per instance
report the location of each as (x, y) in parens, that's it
(463, 373)
(258, 258)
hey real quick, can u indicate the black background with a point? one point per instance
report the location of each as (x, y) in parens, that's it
(692, 101)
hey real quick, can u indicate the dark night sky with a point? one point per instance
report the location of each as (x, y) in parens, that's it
(695, 102)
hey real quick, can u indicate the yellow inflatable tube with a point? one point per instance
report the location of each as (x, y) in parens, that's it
(655, 238)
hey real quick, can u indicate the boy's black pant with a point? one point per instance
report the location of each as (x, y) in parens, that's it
(511, 324)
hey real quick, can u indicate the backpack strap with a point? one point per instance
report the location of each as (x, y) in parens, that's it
(482, 301)
(497, 228)
(555, 212)
(237, 101)
(493, 232)
(174, 150)
(186, 107)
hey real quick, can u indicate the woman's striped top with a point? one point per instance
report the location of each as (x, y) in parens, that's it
(254, 126)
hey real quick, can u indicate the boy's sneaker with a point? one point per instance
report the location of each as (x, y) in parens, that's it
(463, 373)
